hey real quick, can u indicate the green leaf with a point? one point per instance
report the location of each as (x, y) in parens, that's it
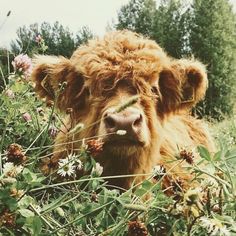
(204, 153)
(25, 201)
(26, 213)
(34, 225)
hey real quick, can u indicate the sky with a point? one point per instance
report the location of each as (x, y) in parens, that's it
(96, 14)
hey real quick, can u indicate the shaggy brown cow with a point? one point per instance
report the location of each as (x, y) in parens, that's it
(105, 73)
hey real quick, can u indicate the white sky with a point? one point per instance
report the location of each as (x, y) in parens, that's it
(96, 14)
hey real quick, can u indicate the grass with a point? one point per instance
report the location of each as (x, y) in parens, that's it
(34, 204)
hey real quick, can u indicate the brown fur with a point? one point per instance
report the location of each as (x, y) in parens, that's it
(106, 72)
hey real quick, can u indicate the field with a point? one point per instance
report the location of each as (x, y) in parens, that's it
(37, 199)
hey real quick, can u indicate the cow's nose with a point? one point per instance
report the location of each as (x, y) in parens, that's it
(131, 122)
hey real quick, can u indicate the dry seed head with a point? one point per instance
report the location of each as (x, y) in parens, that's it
(15, 154)
(129, 103)
(137, 228)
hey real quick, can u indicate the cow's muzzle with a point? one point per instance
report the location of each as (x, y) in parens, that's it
(130, 121)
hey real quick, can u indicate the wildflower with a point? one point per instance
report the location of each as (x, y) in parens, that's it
(66, 167)
(188, 156)
(27, 117)
(95, 146)
(158, 170)
(97, 170)
(7, 218)
(52, 131)
(16, 193)
(11, 170)
(38, 39)
(22, 65)
(137, 228)
(79, 164)
(40, 110)
(9, 93)
(214, 227)
(15, 154)
(121, 132)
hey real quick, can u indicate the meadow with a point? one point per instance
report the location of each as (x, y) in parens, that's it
(36, 199)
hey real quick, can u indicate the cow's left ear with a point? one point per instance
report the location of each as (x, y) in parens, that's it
(182, 84)
(194, 82)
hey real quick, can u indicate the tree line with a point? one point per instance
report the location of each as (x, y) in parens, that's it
(204, 29)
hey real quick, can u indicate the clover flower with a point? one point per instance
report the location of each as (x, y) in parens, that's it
(186, 155)
(97, 170)
(27, 117)
(9, 93)
(95, 146)
(22, 65)
(11, 170)
(137, 228)
(7, 218)
(38, 39)
(158, 170)
(66, 167)
(214, 227)
(52, 131)
(79, 164)
(15, 154)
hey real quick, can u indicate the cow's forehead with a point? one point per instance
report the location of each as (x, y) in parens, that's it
(121, 54)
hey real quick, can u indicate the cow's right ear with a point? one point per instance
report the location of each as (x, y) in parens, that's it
(57, 80)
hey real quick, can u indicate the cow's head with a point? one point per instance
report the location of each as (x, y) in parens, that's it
(103, 75)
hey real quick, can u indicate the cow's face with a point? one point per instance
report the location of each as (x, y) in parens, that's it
(128, 118)
(103, 76)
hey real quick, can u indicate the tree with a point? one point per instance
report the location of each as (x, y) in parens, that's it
(213, 41)
(83, 35)
(58, 39)
(137, 16)
(170, 27)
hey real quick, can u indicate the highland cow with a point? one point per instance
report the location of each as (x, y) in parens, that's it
(105, 73)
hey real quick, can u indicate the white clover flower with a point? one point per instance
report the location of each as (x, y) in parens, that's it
(158, 170)
(11, 170)
(66, 167)
(79, 164)
(121, 132)
(97, 170)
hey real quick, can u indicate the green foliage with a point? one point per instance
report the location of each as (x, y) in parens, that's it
(212, 39)
(57, 39)
(137, 16)
(169, 28)
(34, 204)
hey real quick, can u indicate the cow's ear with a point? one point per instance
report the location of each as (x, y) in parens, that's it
(57, 80)
(170, 90)
(194, 82)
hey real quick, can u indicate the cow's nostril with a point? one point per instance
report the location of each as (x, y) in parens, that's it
(109, 122)
(138, 121)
